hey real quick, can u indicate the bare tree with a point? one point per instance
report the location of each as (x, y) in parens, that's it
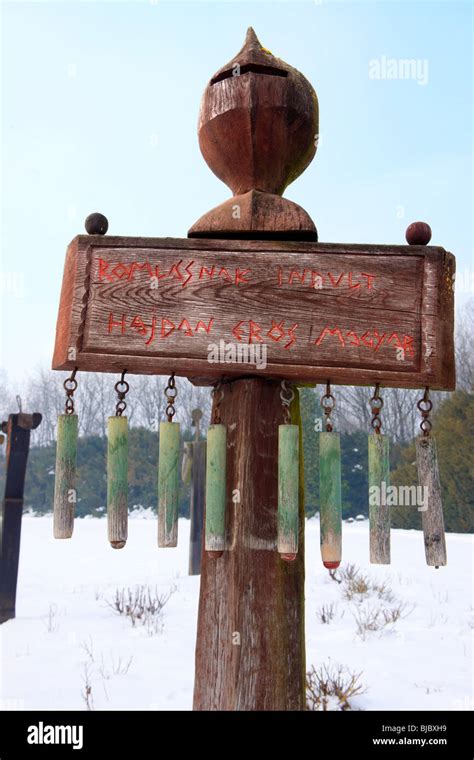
(465, 347)
(45, 394)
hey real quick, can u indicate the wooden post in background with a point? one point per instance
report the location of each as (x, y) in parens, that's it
(18, 430)
(250, 652)
(194, 469)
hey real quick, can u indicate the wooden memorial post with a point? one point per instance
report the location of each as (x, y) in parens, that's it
(18, 430)
(251, 299)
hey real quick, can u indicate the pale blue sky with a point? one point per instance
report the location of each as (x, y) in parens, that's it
(99, 110)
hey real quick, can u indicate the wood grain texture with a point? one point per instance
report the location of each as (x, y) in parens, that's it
(250, 591)
(330, 502)
(288, 488)
(65, 479)
(168, 484)
(255, 214)
(346, 330)
(117, 481)
(432, 511)
(379, 514)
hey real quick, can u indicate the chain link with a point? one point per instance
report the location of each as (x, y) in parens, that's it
(170, 392)
(425, 405)
(328, 402)
(287, 395)
(70, 386)
(121, 389)
(216, 415)
(376, 403)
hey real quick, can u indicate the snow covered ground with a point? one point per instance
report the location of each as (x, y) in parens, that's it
(65, 629)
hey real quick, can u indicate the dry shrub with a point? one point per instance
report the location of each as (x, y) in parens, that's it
(326, 613)
(331, 687)
(369, 619)
(141, 604)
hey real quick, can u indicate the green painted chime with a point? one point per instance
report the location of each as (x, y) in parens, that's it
(379, 481)
(215, 488)
(168, 484)
(66, 454)
(117, 470)
(216, 458)
(288, 481)
(168, 472)
(330, 508)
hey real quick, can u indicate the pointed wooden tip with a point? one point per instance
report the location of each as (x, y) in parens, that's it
(251, 39)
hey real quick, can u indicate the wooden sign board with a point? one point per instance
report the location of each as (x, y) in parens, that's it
(308, 312)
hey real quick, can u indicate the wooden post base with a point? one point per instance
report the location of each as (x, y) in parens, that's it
(250, 652)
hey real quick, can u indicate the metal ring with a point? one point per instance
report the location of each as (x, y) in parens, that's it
(426, 426)
(286, 400)
(328, 401)
(120, 408)
(428, 405)
(70, 384)
(376, 404)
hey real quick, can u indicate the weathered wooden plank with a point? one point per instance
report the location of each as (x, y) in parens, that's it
(330, 503)
(288, 489)
(168, 484)
(379, 514)
(162, 302)
(117, 481)
(216, 458)
(432, 510)
(65, 480)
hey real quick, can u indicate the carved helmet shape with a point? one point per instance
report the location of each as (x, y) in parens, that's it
(258, 121)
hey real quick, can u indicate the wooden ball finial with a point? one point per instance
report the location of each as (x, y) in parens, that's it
(96, 224)
(418, 233)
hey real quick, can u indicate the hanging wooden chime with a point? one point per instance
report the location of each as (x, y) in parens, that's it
(288, 480)
(66, 454)
(330, 509)
(428, 478)
(168, 472)
(117, 470)
(379, 482)
(216, 481)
